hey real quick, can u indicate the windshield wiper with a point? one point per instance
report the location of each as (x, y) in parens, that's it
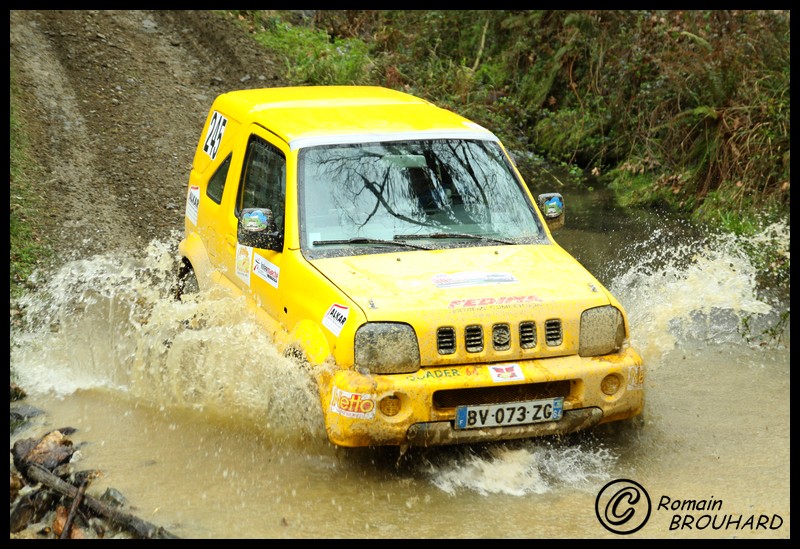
(362, 240)
(451, 235)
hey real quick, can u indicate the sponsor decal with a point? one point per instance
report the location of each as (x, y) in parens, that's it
(484, 301)
(216, 129)
(434, 374)
(335, 318)
(635, 378)
(193, 203)
(459, 280)
(506, 372)
(354, 405)
(266, 270)
(426, 375)
(244, 255)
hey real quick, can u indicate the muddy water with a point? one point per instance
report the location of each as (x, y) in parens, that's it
(209, 432)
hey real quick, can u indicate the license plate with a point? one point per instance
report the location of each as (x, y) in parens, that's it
(512, 413)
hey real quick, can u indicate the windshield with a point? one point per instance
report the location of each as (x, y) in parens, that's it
(366, 197)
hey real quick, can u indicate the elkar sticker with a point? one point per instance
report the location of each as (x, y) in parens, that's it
(335, 318)
(193, 203)
(244, 255)
(266, 270)
(216, 129)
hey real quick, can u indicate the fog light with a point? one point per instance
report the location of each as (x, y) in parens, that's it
(610, 384)
(390, 405)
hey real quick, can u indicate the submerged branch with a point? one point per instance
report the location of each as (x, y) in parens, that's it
(139, 527)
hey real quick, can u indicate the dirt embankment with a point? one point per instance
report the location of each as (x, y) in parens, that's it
(115, 101)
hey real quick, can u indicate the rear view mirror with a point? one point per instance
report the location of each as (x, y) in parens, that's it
(552, 207)
(257, 229)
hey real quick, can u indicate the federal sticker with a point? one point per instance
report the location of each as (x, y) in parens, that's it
(244, 255)
(354, 405)
(216, 129)
(335, 318)
(193, 203)
(266, 270)
(506, 372)
(505, 301)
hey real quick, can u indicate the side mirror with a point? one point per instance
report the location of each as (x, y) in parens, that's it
(257, 229)
(552, 207)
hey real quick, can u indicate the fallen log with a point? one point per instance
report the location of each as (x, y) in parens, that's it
(141, 528)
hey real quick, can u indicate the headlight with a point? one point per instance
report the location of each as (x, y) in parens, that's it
(387, 348)
(602, 331)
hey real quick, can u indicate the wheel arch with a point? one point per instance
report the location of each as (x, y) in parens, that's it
(308, 339)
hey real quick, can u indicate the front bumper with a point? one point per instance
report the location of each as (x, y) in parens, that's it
(438, 433)
(424, 403)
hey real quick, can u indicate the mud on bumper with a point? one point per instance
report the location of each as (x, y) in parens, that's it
(438, 433)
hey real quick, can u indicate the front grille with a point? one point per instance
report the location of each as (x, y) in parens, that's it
(447, 338)
(473, 338)
(527, 335)
(552, 332)
(451, 398)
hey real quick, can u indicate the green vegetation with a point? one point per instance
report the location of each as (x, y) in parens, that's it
(26, 250)
(680, 110)
(687, 110)
(313, 56)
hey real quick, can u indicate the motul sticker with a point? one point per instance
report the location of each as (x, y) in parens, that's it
(335, 318)
(355, 405)
(460, 280)
(244, 254)
(216, 129)
(506, 372)
(193, 203)
(266, 270)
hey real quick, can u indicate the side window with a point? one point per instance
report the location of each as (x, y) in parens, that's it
(263, 183)
(217, 182)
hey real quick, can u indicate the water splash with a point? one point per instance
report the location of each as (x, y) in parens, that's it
(522, 468)
(703, 290)
(110, 322)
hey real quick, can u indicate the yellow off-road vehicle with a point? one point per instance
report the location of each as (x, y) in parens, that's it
(394, 245)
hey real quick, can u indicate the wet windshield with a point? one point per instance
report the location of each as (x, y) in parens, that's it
(367, 197)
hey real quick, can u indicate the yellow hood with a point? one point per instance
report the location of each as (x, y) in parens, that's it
(407, 286)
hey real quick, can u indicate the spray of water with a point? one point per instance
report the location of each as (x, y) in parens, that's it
(110, 323)
(521, 468)
(699, 290)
